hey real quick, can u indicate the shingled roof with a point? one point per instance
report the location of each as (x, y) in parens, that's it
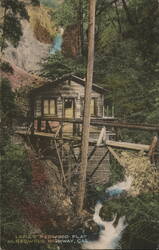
(74, 78)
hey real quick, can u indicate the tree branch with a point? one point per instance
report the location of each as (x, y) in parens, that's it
(118, 18)
(127, 12)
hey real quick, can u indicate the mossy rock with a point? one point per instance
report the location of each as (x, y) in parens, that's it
(42, 24)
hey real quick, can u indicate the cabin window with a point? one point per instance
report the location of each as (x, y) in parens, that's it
(38, 108)
(49, 107)
(69, 107)
(93, 106)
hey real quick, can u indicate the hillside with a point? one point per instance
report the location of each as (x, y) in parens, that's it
(20, 78)
(36, 41)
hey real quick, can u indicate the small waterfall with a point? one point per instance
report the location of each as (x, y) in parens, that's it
(57, 43)
(109, 235)
(118, 188)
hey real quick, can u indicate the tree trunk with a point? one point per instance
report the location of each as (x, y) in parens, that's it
(81, 26)
(3, 31)
(87, 101)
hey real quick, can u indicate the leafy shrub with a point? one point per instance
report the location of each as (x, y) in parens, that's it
(16, 177)
(145, 175)
(142, 217)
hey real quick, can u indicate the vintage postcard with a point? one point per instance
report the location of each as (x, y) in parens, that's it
(79, 124)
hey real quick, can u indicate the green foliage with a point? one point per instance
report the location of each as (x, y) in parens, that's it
(6, 67)
(10, 27)
(12, 34)
(116, 172)
(15, 7)
(67, 13)
(12, 224)
(141, 208)
(57, 65)
(50, 4)
(129, 57)
(15, 180)
(145, 175)
(11, 112)
(11, 14)
(74, 13)
(35, 2)
(16, 173)
(126, 60)
(8, 107)
(142, 217)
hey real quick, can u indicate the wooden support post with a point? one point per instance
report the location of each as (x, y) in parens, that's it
(153, 148)
(128, 145)
(107, 111)
(61, 129)
(102, 137)
(92, 152)
(69, 172)
(58, 131)
(79, 157)
(39, 125)
(74, 129)
(116, 156)
(31, 128)
(78, 129)
(61, 164)
(57, 173)
(113, 111)
(48, 129)
(31, 118)
(73, 153)
(87, 102)
(116, 133)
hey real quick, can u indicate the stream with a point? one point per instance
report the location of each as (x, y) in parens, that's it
(109, 235)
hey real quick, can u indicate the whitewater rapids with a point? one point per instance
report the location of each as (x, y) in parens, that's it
(109, 235)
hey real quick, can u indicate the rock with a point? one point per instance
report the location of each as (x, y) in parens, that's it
(29, 52)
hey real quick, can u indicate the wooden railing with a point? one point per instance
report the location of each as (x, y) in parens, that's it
(98, 122)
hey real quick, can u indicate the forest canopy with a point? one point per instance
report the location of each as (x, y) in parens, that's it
(126, 53)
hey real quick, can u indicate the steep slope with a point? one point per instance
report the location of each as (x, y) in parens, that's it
(20, 78)
(36, 41)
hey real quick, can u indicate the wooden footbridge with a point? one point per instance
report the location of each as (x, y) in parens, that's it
(74, 133)
(102, 142)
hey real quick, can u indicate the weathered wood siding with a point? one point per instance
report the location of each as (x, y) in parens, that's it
(67, 89)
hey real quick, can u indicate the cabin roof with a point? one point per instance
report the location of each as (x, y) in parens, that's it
(74, 78)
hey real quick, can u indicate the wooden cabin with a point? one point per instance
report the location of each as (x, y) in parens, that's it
(64, 98)
(56, 109)
(56, 113)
